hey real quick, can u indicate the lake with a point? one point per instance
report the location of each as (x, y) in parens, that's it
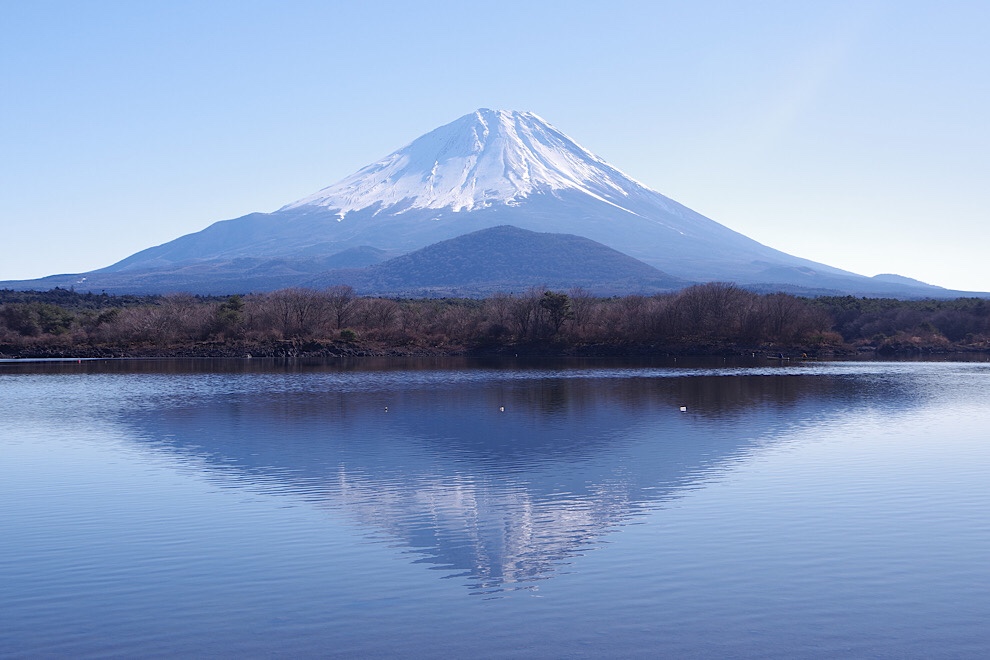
(495, 508)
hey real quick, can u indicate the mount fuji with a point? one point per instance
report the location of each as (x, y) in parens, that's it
(490, 168)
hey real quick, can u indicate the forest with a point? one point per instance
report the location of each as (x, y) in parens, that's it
(714, 319)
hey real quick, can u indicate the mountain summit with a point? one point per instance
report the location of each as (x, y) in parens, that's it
(489, 168)
(486, 158)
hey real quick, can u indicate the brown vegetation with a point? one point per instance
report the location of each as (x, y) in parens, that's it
(714, 318)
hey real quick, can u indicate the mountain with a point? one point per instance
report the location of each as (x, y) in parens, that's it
(509, 259)
(487, 169)
(900, 279)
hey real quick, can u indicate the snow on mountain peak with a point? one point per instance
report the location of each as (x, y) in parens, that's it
(484, 158)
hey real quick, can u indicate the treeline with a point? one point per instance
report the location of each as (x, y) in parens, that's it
(965, 320)
(70, 300)
(715, 317)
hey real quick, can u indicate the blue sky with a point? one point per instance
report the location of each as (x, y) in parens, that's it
(852, 133)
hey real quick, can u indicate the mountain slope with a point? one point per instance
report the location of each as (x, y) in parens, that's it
(507, 258)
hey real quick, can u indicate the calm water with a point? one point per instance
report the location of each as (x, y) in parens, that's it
(490, 509)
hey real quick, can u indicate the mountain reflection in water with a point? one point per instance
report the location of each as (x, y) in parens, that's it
(496, 477)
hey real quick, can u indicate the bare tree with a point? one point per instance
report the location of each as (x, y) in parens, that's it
(788, 318)
(497, 308)
(297, 312)
(558, 309)
(525, 313)
(380, 315)
(710, 309)
(341, 301)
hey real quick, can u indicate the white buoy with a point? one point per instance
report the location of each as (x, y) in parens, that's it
(501, 408)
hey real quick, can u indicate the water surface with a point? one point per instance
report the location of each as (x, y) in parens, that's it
(446, 508)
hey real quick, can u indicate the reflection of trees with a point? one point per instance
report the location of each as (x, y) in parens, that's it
(710, 396)
(551, 396)
(501, 496)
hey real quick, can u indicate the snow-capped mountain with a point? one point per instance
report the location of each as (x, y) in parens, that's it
(486, 169)
(495, 167)
(486, 158)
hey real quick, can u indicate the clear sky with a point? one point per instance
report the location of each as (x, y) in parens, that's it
(852, 133)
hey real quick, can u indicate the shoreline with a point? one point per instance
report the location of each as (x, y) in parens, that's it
(336, 349)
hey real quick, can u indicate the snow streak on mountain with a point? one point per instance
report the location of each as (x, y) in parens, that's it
(485, 158)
